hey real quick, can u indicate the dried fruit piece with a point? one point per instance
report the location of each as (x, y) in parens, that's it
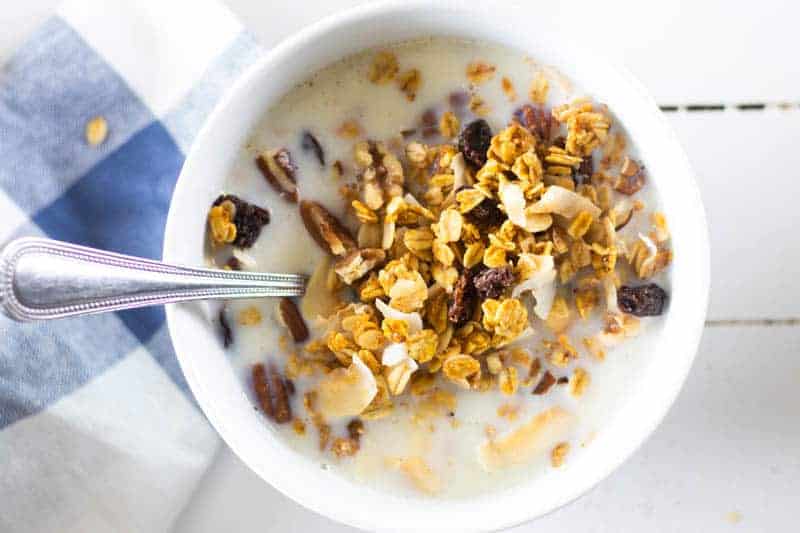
(96, 131)
(474, 142)
(464, 298)
(491, 283)
(547, 381)
(309, 142)
(248, 219)
(644, 300)
(325, 228)
(486, 215)
(293, 320)
(227, 334)
(272, 393)
(280, 172)
(631, 177)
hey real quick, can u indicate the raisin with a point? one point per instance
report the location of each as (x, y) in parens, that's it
(465, 297)
(233, 263)
(644, 300)
(492, 282)
(563, 380)
(474, 142)
(309, 142)
(458, 99)
(583, 176)
(249, 219)
(486, 214)
(227, 334)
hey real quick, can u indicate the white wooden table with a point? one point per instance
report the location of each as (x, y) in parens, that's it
(727, 456)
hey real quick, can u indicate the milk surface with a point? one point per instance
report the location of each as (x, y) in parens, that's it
(448, 443)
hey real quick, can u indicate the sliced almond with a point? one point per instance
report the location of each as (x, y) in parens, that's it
(278, 169)
(293, 320)
(326, 229)
(357, 263)
(523, 444)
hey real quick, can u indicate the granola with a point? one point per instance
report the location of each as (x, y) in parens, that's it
(480, 249)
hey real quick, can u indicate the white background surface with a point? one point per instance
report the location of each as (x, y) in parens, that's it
(727, 458)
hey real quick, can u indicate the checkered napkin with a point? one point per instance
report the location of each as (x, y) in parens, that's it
(98, 431)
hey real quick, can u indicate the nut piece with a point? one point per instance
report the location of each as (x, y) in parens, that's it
(326, 229)
(272, 392)
(357, 263)
(547, 381)
(631, 177)
(280, 171)
(293, 320)
(559, 454)
(96, 131)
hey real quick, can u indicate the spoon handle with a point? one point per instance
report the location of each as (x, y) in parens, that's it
(42, 279)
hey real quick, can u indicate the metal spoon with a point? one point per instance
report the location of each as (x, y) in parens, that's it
(42, 279)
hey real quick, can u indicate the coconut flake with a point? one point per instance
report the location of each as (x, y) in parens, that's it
(461, 175)
(542, 286)
(651, 246)
(611, 296)
(394, 354)
(244, 258)
(414, 320)
(564, 202)
(514, 201)
(347, 391)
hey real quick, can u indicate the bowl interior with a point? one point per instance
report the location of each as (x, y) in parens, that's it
(219, 390)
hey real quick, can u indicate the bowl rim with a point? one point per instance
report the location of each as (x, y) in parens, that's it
(236, 439)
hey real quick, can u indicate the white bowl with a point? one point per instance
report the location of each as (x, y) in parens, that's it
(547, 37)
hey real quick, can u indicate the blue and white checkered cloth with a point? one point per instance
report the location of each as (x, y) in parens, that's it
(98, 431)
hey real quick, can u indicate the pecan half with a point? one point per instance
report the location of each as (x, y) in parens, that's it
(271, 391)
(547, 381)
(293, 320)
(326, 229)
(357, 263)
(279, 170)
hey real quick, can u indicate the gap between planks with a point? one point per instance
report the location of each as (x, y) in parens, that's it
(758, 322)
(743, 106)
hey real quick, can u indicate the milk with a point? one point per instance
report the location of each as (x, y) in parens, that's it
(448, 443)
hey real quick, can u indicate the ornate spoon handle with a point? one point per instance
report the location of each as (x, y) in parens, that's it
(42, 279)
